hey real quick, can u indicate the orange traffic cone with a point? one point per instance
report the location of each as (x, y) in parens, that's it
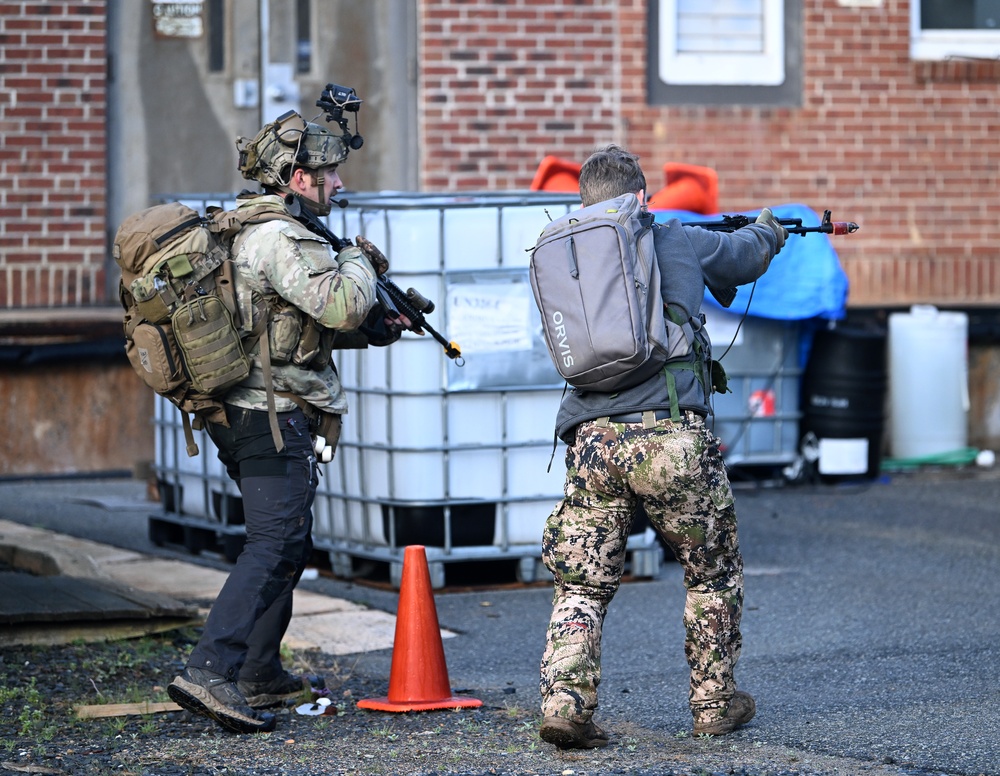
(418, 679)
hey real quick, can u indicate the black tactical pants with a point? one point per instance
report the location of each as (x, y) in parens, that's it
(243, 633)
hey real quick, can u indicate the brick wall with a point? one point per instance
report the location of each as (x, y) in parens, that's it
(52, 98)
(906, 149)
(504, 83)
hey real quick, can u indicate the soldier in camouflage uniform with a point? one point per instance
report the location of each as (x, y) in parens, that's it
(316, 300)
(625, 451)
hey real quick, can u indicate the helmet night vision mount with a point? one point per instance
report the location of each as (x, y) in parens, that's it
(337, 100)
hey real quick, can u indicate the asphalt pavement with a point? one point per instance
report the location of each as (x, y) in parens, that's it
(871, 629)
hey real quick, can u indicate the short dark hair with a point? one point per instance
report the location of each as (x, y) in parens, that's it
(608, 173)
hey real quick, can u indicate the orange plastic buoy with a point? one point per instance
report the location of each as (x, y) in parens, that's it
(418, 679)
(689, 187)
(555, 174)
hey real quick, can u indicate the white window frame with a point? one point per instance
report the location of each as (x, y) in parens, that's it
(939, 45)
(723, 68)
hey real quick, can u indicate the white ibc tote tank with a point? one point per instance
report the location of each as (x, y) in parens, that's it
(929, 382)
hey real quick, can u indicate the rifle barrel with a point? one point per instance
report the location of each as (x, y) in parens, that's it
(830, 227)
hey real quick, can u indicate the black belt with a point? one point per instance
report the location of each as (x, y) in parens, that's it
(636, 417)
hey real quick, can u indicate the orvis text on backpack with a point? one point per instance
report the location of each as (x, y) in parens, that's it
(596, 282)
(187, 328)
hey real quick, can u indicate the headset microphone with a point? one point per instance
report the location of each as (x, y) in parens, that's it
(341, 203)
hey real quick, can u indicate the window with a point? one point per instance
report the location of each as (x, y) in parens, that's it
(303, 37)
(738, 42)
(724, 52)
(955, 29)
(216, 36)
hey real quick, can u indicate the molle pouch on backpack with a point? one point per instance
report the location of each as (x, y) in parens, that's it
(154, 298)
(153, 353)
(210, 345)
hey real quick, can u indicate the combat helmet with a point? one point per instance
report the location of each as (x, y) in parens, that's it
(288, 140)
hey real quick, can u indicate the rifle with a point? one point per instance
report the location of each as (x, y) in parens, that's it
(793, 225)
(411, 304)
(726, 296)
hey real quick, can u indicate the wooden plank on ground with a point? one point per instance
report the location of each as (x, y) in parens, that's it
(125, 709)
(88, 632)
(27, 598)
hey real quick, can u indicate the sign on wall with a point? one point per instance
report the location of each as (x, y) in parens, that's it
(178, 20)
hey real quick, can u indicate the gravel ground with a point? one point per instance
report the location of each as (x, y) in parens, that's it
(872, 666)
(41, 734)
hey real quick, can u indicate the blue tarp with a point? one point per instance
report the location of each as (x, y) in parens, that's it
(804, 281)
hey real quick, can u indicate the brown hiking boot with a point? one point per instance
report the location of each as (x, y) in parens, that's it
(567, 734)
(213, 696)
(284, 687)
(741, 710)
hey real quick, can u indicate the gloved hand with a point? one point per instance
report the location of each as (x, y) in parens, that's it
(349, 253)
(374, 255)
(380, 329)
(767, 218)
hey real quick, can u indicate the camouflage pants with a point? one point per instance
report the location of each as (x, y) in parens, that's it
(677, 472)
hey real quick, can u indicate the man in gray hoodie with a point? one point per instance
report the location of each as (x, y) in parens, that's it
(649, 445)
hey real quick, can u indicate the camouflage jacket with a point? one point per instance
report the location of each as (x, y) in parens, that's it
(283, 259)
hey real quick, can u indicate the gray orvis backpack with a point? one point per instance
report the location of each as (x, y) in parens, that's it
(597, 286)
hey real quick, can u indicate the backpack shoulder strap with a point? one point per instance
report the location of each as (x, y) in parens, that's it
(272, 412)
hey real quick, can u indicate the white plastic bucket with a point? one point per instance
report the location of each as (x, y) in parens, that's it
(929, 382)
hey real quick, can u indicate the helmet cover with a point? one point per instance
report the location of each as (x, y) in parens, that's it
(289, 140)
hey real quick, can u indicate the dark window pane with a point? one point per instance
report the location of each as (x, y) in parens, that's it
(947, 14)
(216, 35)
(987, 14)
(303, 36)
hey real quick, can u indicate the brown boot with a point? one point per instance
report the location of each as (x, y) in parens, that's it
(284, 687)
(213, 696)
(741, 710)
(567, 734)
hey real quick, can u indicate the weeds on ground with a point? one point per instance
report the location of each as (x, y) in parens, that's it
(22, 708)
(38, 694)
(126, 671)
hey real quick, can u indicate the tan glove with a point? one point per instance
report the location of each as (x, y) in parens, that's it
(767, 218)
(373, 254)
